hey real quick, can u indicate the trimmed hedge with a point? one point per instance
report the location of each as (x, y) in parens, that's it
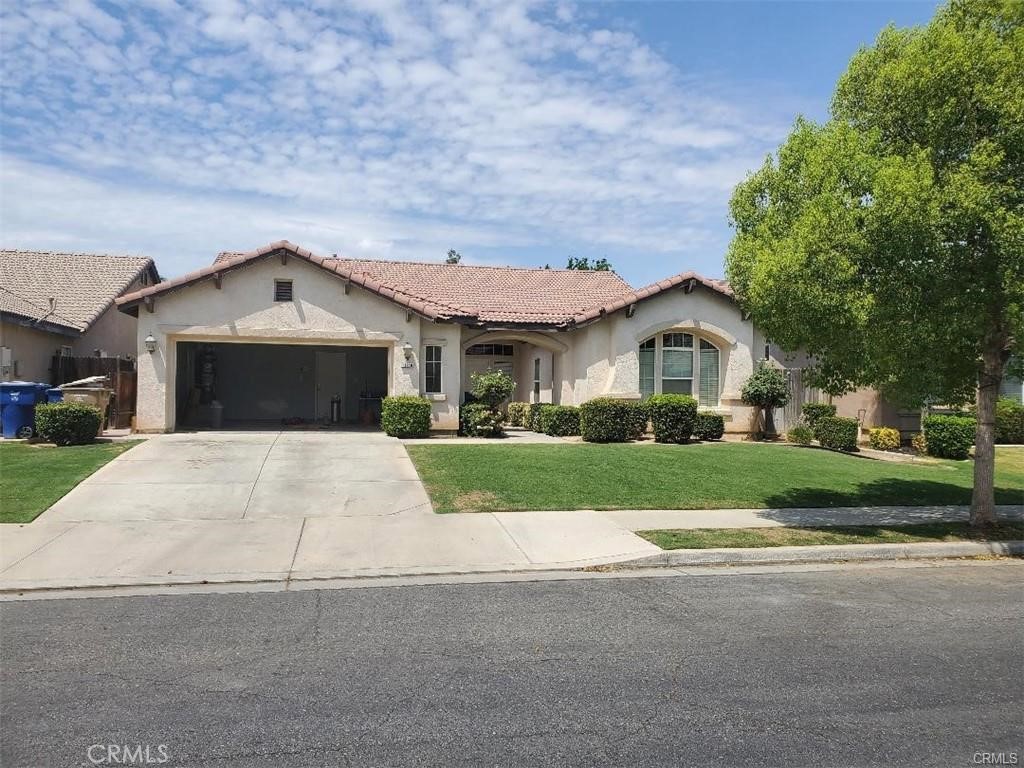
(709, 426)
(639, 418)
(801, 434)
(949, 437)
(532, 419)
(517, 413)
(814, 411)
(673, 417)
(884, 438)
(68, 423)
(405, 416)
(837, 432)
(559, 420)
(1009, 421)
(607, 420)
(479, 420)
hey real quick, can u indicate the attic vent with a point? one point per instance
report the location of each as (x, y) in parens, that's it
(282, 290)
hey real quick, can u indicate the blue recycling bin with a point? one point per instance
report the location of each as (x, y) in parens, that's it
(18, 406)
(54, 395)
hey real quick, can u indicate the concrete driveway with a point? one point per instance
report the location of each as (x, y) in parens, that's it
(249, 475)
(277, 506)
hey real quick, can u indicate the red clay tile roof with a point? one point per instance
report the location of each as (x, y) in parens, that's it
(554, 298)
(83, 284)
(687, 280)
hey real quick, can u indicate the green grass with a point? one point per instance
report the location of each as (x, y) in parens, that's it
(713, 538)
(33, 477)
(480, 478)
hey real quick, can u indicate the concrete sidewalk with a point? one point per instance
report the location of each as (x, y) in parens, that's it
(58, 553)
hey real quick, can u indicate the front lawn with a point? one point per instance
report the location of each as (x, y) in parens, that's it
(716, 538)
(484, 478)
(33, 477)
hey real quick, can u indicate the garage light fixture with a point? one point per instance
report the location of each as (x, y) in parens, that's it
(150, 343)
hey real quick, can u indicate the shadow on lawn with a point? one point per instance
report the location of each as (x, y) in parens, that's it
(883, 492)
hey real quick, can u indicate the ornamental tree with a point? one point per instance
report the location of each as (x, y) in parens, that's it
(492, 387)
(766, 390)
(888, 242)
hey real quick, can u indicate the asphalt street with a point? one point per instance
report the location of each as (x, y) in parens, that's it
(855, 667)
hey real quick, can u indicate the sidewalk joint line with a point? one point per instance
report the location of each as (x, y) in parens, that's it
(295, 554)
(512, 538)
(42, 546)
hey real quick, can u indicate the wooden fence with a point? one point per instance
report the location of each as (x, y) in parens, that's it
(120, 373)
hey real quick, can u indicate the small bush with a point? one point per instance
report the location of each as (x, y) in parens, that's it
(709, 426)
(673, 417)
(884, 439)
(949, 437)
(801, 434)
(919, 444)
(814, 411)
(532, 420)
(559, 420)
(837, 432)
(1009, 421)
(639, 418)
(607, 420)
(405, 416)
(479, 420)
(492, 387)
(517, 414)
(68, 423)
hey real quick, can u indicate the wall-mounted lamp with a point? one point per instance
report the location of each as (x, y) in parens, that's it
(407, 350)
(150, 343)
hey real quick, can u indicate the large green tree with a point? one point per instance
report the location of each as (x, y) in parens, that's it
(888, 242)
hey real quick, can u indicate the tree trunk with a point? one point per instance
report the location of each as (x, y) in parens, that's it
(983, 505)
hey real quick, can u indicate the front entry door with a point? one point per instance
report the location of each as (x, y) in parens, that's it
(330, 382)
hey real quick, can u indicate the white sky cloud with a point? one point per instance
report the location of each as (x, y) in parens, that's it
(374, 128)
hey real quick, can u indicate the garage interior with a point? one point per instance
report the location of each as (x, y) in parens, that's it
(238, 385)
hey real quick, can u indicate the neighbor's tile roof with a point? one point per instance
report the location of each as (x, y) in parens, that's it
(460, 292)
(83, 284)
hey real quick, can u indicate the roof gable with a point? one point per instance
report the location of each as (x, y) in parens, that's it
(81, 285)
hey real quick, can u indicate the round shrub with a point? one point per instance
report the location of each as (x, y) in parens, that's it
(492, 387)
(405, 416)
(68, 423)
(639, 418)
(884, 439)
(673, 417)
(837, 432)
(517, 413)
(766, 389)
(949, 437)
(560, 420)
(479, 420)
(607, 420)
(1009, 421)
(814, 411)
(919, 444)
(800, 433)
(709, 426)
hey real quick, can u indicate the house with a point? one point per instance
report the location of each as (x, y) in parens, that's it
(279, 333)
(62, 304)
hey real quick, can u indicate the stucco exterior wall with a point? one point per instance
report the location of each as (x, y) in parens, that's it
(243, 310)
(32, 349)
(113, 332)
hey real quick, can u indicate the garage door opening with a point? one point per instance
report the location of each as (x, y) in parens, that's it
(272, 385)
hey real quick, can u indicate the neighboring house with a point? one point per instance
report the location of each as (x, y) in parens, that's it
(63, 304)
(278, 333)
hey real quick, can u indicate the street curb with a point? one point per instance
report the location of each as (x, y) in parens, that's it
(827, 553)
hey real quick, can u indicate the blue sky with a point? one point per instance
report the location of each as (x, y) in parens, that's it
(517, 133)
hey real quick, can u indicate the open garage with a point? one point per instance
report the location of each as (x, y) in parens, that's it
(239, 384)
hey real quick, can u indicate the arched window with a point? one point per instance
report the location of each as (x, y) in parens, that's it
(677, 362)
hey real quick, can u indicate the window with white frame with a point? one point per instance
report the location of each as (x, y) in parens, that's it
(432, 369)
(677, 362)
